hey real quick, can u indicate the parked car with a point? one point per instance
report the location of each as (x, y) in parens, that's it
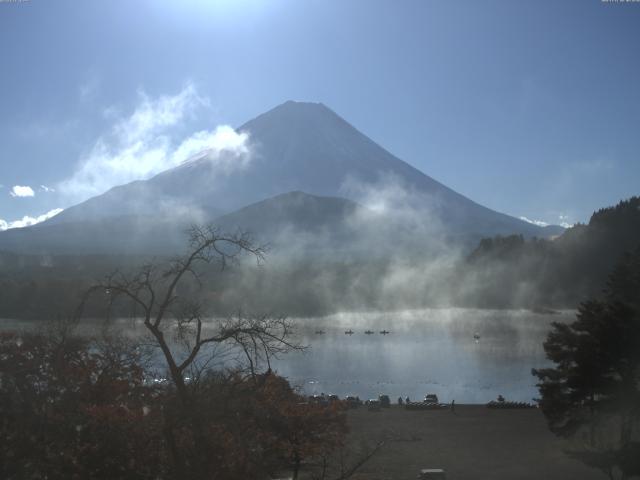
(318, 400)
(431, 398)
(373, 405)
(353, 402)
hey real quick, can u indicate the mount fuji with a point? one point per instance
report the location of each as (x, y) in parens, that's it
(295, 147)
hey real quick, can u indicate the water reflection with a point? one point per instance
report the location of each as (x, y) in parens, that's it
(463, 354)
(468, 355)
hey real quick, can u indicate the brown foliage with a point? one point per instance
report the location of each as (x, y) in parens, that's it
(71, 408)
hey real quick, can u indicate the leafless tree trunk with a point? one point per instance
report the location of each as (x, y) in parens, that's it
(153, 293)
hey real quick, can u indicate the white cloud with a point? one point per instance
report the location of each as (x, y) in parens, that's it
(142, 145)
(539, 223)
(27, 221)
(564, 221)
(388, 194)
(151, 116)
(389, 200)
(46, 189)
(21, 191)
(224, 145)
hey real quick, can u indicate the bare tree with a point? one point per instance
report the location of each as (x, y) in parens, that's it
(180, 328)
(152, 291)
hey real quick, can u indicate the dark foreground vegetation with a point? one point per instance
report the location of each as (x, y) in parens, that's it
(592, 393)
(75, 408)
(192, 400)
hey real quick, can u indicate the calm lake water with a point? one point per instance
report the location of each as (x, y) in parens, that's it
(426, 351)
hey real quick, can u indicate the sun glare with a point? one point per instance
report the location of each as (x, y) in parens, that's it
(206, 9)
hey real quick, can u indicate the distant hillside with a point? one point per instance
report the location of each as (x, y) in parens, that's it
(123, 235)
(299, 210)
(291, 219)
(294, 224)
(557, 272)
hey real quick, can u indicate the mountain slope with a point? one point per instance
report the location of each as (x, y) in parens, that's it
(293, 218)
(299, 147)
(293, 211)
(126, 234)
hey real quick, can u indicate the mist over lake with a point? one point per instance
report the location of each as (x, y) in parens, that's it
(425, 351)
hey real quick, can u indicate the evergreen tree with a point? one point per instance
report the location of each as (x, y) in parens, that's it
(592, 394)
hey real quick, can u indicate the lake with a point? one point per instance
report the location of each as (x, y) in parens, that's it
(469, 355)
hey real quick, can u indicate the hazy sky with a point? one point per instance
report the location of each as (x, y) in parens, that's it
(531, 108)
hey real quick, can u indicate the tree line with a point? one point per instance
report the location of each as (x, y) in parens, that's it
(519, 272)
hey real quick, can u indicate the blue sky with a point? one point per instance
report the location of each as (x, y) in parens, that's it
(531, 108)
